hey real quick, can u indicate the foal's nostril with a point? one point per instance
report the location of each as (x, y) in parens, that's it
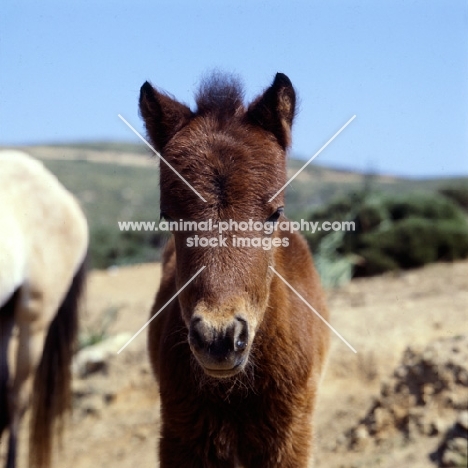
(241, 334)
(240, 345)
(196, 335)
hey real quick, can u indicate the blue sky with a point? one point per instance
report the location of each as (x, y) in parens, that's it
(67, 70)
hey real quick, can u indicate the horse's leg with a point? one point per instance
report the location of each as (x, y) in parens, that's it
(6, 327)
(31, 335)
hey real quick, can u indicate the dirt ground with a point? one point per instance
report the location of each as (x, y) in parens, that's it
(115, 420)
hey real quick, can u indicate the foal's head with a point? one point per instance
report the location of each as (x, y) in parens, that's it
(234, 157)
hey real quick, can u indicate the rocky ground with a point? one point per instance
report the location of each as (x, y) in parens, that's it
(425, 398)
(401, 401)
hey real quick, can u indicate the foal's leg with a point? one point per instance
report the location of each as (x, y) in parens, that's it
(32, 327)
(289, 448)
(176, 453)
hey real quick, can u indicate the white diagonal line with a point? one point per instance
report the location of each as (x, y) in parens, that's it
(161, 309)
(312, 158)
(313, 310)
(157, 153)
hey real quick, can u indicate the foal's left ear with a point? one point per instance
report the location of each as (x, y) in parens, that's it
(274, 109)
(163, 115)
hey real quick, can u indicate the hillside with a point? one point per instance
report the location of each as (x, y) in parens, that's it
(127, 173)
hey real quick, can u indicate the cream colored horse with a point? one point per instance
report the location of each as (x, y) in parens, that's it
(43, 245)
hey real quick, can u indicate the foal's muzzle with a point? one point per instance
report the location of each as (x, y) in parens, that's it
(222, 352)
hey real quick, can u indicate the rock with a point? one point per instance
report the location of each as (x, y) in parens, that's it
(422, 398)
(80, 389)
(95, 358)
(458, 445)
(436, 427)
(453, 450)
(361, 437)
(456, 453)
(462, 377)
(93, 405)
(462, 420)
(361, 432)
(91, 398)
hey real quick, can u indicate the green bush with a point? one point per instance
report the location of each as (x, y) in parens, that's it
(374, 262)
(109, 246)
(411, 243)
(334, 269)
(339, 209)
(399, 232)
(428, 206)
(459, 194)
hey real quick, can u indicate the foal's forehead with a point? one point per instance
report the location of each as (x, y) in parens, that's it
(231, 164)
(230, 143)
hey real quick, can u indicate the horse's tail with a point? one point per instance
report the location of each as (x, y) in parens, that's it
(51, 397)
(7, 320)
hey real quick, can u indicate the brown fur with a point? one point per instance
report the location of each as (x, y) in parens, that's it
(225, 405)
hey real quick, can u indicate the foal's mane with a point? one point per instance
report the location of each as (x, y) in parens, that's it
(221, 95)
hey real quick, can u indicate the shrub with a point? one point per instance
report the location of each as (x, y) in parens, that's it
(410, 243)
(458, 194)
(109, 246)
(400, 232)
(334, 269)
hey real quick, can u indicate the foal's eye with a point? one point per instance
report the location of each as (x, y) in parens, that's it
(163, 215)
(275, 216)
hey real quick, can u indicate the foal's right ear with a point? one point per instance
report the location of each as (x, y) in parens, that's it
(163, 115)
(274, 110)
